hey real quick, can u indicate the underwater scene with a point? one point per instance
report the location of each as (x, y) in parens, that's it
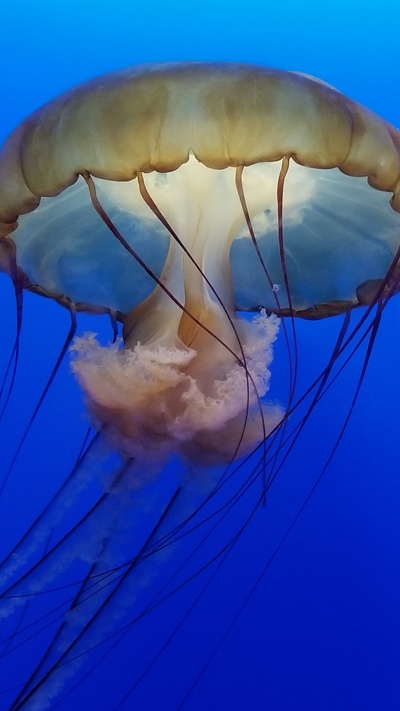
(199, 382)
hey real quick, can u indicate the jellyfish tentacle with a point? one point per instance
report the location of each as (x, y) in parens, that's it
(17, 280)
(292, 364)
(50, 516)
(59, 361)
(137, 574)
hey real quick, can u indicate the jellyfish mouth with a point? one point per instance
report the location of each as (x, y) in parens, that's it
(190, 374)
(154, 399)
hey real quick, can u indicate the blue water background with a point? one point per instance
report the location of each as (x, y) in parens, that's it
(322, 630)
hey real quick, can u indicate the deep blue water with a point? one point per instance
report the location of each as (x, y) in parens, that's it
(321, 631)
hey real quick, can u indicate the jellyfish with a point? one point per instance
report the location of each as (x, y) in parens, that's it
(203, 209)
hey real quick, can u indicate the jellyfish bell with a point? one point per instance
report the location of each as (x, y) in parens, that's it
(159, 149)
(173, 197)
